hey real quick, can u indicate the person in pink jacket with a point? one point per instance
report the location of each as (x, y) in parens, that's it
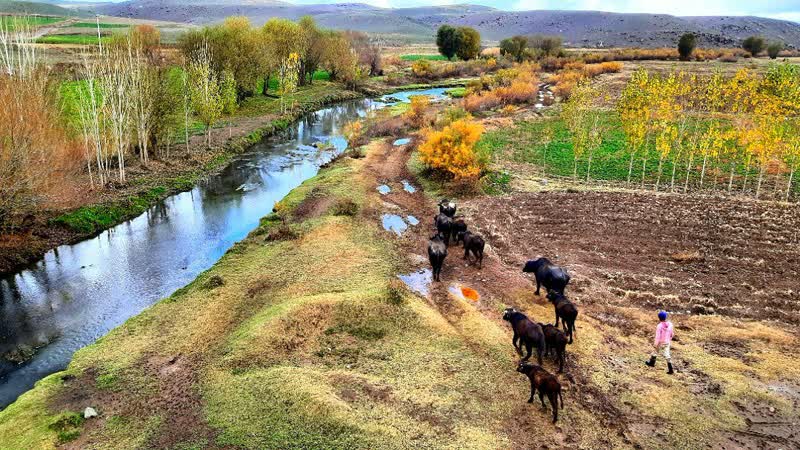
(664, 334)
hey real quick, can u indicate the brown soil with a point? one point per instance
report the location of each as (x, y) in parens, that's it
(173, 394)
(737, 258)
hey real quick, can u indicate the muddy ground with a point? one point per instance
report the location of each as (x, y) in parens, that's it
(726, 256)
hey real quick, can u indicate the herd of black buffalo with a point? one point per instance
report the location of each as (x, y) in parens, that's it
(544, 337)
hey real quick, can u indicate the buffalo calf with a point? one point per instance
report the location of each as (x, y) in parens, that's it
(472, 243)
(565, 310)
(546, 383)
(555, 341)
(525, 332)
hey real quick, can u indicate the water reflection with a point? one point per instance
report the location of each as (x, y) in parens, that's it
(77, 293)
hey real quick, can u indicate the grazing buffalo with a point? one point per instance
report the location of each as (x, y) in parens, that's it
(556, 341)
(472, 243)
(565, 310)
(444, 226)
(549, 275)
(546, 383)
(437, 252)
(447, 208)
(526, 332)
(458, 226)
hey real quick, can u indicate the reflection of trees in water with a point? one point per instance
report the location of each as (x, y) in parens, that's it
(23, 323)
(157, 214)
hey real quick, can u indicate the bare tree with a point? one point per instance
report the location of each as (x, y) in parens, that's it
(18, 57)
(142, 90)
(116, 81)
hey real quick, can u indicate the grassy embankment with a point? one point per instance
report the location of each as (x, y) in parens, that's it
(298, 338)
(307, 344)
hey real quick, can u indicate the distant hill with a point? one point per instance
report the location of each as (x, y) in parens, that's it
(39, 8)
(579, 28)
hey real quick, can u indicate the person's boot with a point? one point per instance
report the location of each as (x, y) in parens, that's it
(652, 362)
(669, 368)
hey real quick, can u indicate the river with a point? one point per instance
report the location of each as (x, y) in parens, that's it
(78, 293)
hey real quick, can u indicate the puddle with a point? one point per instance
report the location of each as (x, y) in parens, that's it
(404, 141)
(384, 189)
(395, 223)
(419, 282)
(408, 187)
(464, 293)
(413, 221)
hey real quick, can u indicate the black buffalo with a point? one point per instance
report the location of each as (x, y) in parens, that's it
(472, 243)
(447, 208)
(444, 226)
(437, 252)
(549, 275)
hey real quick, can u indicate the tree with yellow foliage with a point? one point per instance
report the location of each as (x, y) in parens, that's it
(419, 110)
(583, 121)
(452, 150)
(634, 112)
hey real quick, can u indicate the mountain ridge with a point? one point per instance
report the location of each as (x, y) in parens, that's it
(578, 28)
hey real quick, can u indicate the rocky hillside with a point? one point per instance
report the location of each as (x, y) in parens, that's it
(579, 28)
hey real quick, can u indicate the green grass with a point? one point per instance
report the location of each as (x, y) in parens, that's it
(93, 219)
(459, 92)
(425, 57)
(102, 25)
(319, 75)
(75, 39)
(12, 22)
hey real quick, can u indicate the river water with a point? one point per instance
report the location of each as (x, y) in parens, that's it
(78, 293)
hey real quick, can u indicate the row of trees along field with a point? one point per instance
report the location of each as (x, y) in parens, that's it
(706, 132)
(131, 98)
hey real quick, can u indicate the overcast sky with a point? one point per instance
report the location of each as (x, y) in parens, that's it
(780, 9)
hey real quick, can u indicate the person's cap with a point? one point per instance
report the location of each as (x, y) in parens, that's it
(662, 315)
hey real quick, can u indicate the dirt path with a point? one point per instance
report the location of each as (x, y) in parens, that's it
(500, 284)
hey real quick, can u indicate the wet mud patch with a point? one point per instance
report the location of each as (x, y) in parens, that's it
(418, 282)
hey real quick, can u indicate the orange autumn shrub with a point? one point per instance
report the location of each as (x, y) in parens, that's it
(418, 113)
(507, 87)
(482, 101)
(520, 91)
(593, 70)
(452, 150)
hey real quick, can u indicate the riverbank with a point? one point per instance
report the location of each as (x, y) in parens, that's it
(87, 213)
